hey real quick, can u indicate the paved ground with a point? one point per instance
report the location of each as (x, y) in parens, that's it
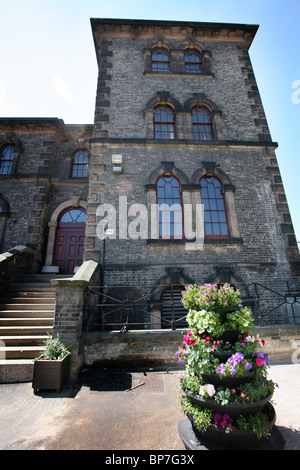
(104, 411)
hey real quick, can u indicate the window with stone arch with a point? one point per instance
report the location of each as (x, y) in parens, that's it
(215, 212)
(193, 61)
(6, 159)
(80, 164)
(160, 59)
(202, 123)
(164, 122)
(169, 202)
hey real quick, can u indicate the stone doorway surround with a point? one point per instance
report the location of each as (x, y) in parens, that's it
(52, 224)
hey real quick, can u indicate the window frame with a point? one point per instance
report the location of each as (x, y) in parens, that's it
(80, 165)
(193, 64)
(197, 126)
(171, 223)
(171, 125)
(214, 211)
(160, 66)
(3, 160)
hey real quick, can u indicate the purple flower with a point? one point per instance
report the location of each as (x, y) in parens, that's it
(233, 370)
(248, 366)
(235, 359)
(264, 357)
(221, 369)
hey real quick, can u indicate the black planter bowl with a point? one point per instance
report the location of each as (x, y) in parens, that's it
(227, 381)
(232, 409)
(231, 335)
(238, 438)
(223, 355)
(223, 311)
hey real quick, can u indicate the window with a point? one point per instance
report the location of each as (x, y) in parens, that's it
(170, 208)
(73, 216)
(6, 160)
(164, 123)
(202, 124)
(173, 313)
(160, 60)
(192, 62)
(80, 164)
(215, 215)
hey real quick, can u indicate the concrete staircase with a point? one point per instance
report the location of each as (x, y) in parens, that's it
(26, 319)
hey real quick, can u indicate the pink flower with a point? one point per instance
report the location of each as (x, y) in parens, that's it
(259, 361)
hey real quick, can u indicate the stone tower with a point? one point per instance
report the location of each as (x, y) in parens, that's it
(179, 120)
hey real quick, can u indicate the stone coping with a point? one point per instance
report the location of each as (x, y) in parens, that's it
(16, 250)
(80, 279)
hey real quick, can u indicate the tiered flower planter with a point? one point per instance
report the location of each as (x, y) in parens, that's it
(220, 415)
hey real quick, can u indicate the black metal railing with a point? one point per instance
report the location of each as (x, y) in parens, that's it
(122, 307)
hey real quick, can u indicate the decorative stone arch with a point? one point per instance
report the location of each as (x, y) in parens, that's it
(53, 222)
(201, 100)
(12, 139)
(162, 98)
(167, 168)
(80, 144)
(174, 277)
(4, 215)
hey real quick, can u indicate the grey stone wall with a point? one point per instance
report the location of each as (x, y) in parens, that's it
(262, 246)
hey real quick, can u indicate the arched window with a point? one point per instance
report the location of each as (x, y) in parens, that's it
(160, 60)
(202, 123)
(192, 61)
(6, 159)
(215, 214)
(164, 123)
(169, 207)
(80, 164)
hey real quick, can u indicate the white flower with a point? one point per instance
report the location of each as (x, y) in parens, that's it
(210, 389)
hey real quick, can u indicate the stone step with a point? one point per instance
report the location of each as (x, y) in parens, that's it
(20, 352)
(42, 294)
(16, 370)
(26, 321)
(22, 307)
(28, 340)
(27, 313)
(24, 330)
(27, 300)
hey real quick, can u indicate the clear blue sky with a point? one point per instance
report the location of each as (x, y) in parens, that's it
(48, 62)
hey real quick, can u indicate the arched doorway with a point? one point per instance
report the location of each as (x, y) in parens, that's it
(69, 242)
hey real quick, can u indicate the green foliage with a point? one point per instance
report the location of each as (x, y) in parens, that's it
(241, 320)
(202, 416)
(210, 296)
(205, 322)
(55, 349)
(257, 423)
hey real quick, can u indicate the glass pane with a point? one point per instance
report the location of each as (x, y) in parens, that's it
(216, 229)
(224, 229)
(208, 229)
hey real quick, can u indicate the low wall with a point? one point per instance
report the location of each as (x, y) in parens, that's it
(15, 263)
(158, 347)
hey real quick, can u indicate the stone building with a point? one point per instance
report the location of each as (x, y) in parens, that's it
(178, 121)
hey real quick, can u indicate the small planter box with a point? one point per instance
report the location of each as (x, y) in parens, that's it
(51, 374)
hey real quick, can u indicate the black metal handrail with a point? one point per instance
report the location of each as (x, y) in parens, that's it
(119, 309)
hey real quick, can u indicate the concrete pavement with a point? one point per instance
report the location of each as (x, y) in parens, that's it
(120, 410)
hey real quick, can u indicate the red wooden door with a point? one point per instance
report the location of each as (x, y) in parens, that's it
(70, 240)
